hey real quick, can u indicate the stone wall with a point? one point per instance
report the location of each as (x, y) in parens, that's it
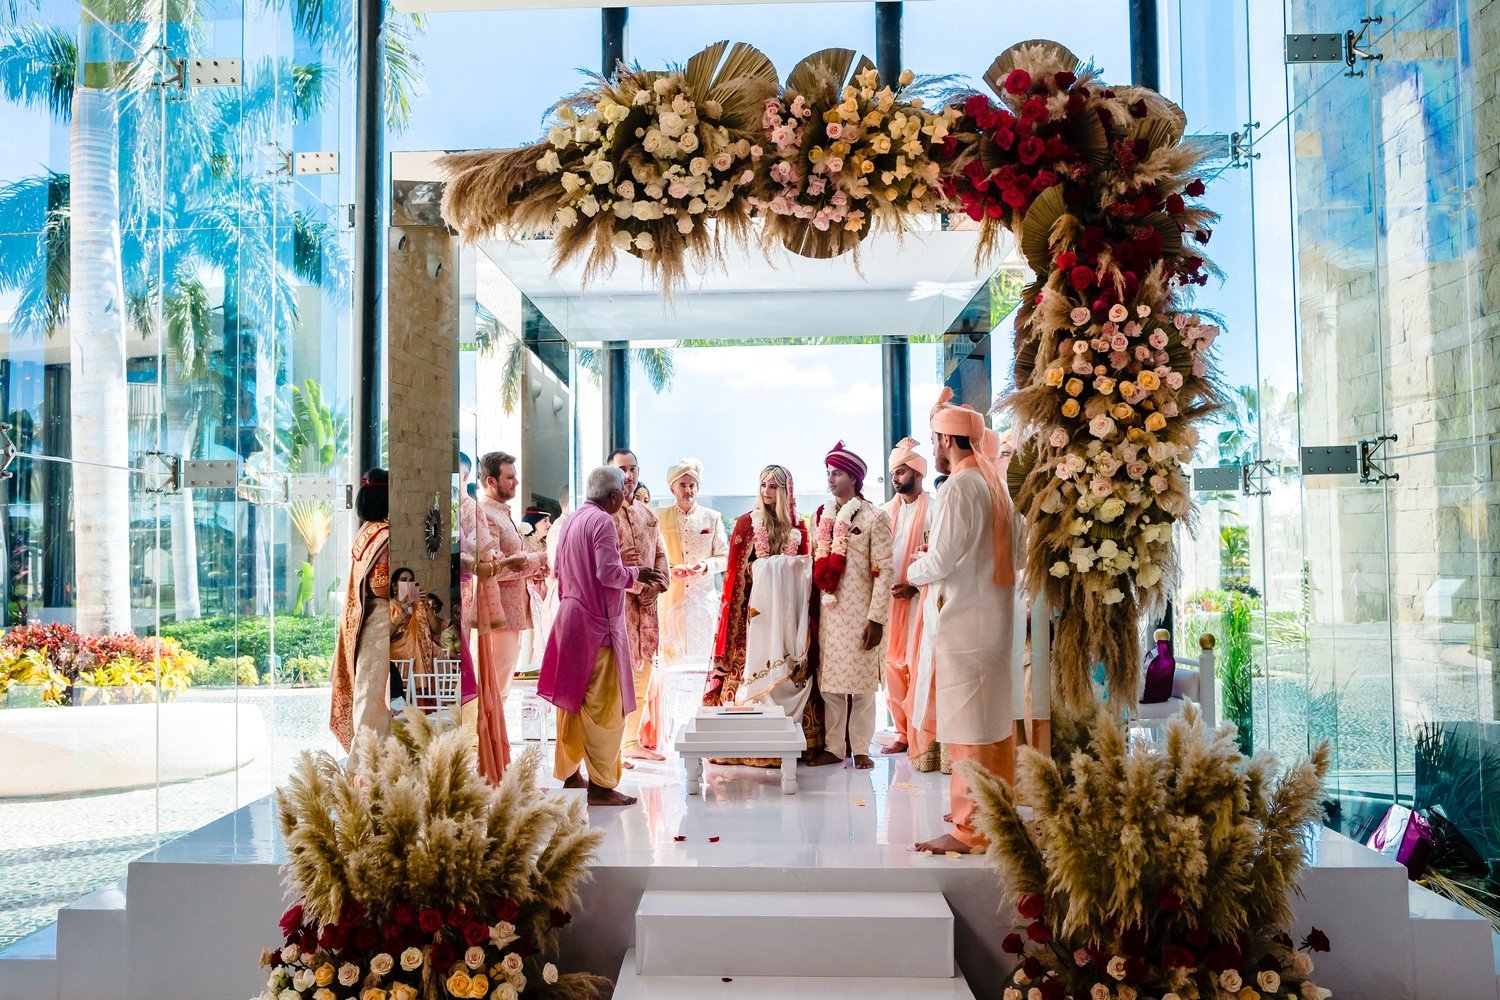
(423, 412)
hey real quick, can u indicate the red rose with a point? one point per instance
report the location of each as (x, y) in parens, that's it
(431, 921)
(506, 909)
(309, 940)
(1176, 957)
(1031, 150)
(1170, 900)
(1197, 937)
(1195, 188)
(524, 947)
(1012, 944)
(1035, 110)
(1175, 204)
(404, 914)
(949, 148)
(1138, 109)
(976, 105)
(291, 921)
(1018, 81)
(561, 918)
(459, 916)
(1066, 260)
(1004, 138)
(366, 937)
(1032, 966)
(394, 933)
(1052, 989)
(1063, 80)
(1038, 932)
(974, 210)
(1014, 197)
(1081, 277)
(1202, 235)
(332, 937)
(442, 956)
(1316, 940)
(1043, 180)
(352, 913)
(476, 934)
(1225, 956)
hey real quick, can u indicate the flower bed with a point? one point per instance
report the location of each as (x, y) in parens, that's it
(70, 668)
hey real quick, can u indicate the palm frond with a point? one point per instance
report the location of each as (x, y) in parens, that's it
(38, 67)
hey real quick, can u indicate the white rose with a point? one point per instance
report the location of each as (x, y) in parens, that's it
(304, 980)
(684, 225)
(512, 964)
(549, 974)
(641, 97)
(1111, 509)
(502, 934)
(571, 182)
(1148, 575)
(644, 242)
(1059, 569)
(624, 209)
(688, 142)
(505, 991)
(519, 982)
(602, 172)
(290, 994)
(621, 240)
(1268, 980)
(411, 959)
(289, 954)
(549, 163)
(1099, 992)
(348, 974)
(1113, 596)
(698, 166)
(324, 994)
(1302, 964)
(1116, 967)
(1230, 980)
(566, 218)
(1011, 993)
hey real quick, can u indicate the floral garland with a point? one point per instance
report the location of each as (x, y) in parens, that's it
(831, 554)
(762, 538)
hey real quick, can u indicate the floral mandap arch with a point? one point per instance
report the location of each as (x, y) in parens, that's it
(1098, 185)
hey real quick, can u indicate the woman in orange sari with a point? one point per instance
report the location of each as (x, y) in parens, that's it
(362, 648)
(411, 623)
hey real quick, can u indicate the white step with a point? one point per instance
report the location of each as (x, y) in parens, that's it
(91, 944)
(631, 985)
(836, 934)
(28, 968)
(1453, 948)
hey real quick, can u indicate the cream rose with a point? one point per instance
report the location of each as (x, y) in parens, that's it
(505, 991)
(401, 991)
(474, 957)
(1302, 964)
(348, 974)
(411, 959)
(1268, 980)
(549, 974)
(1099, 992)
(289, 954)
(1231, 980)
(602, 172)
(324, 994)
(1116, 967)
(511, 963)
(502, 934)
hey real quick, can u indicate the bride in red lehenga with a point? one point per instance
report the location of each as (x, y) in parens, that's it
(765, 641)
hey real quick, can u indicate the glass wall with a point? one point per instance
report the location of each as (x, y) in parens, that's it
(173, 292)
(1362, 611)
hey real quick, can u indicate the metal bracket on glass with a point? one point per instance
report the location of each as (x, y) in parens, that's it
(1254, 478)
(8, 451)
(201, 74)
(1330, 460)
(1370, 468)
(305, 489)
(171, 468)
(320, 162)
(1332, 47)
(1217, 478)
(1240, 143)
(1353, 50)
(210, 474)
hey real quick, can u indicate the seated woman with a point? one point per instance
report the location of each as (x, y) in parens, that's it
(762, 651)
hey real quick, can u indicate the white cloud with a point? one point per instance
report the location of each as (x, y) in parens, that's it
(860, 398)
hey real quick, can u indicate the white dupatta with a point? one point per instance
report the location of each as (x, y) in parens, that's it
(776, 636)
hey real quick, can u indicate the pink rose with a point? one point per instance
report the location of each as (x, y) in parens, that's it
(1119, 342)
(1174, 380)
(1080, 315)
(834, 164)
(1158, 339)
(1101, 426)
(1058, 438)
(1100, 487)
(1100, 344)
(1062, 471)
(1108, 329)
(835, 130)
(1169, 409)
(1082, 365)
(1075, 462)
(1118, 313)
(1080, 347)
(1159, 483)
(1135, 469)
(1132, 329)
(1118, 359)
(1181, 321)
(1200, 367)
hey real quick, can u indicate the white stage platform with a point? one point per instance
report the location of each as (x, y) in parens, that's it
(217, 892)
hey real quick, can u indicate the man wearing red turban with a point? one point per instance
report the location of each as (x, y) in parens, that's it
(852, 571)
(975, 649)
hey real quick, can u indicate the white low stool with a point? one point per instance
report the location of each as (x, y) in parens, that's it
(740, 731)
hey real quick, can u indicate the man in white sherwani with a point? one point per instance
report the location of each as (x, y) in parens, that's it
(970, 564)
(852, 572)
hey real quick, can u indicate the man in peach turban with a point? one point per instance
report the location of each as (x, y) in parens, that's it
(976, 647)
(908, 517)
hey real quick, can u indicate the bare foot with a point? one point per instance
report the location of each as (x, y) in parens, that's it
(823, 757)
(627, 764)
(576, 780)
(642, 753)
(600, 796)
(862, 762)
(897, 747)
(945, 844)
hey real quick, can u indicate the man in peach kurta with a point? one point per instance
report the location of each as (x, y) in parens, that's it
(640, 545)
(970, 562)
(908, 516)
(503, 565)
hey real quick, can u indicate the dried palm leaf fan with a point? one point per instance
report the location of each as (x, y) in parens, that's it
(656, 163)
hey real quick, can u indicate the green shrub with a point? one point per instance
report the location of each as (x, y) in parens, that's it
(304, 671)
(227, 671)
(241, 636)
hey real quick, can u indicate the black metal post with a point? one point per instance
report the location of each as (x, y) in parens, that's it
(1145, 54)
(369, 156)
(615, 372)
(895, 352)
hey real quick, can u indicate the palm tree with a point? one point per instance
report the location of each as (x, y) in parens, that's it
(111, 117)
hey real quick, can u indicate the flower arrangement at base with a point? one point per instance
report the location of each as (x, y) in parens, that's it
(415, 880)
(642, 163)
(1111, 368)
(1155, 873)
(845, 154)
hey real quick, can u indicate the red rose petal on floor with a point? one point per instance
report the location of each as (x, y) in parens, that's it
(727, 979)
(679, 839)
(713, 840)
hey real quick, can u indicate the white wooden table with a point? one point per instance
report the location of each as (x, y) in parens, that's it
(753, 731)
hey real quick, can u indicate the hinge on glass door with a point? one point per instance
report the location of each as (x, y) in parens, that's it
(1332, 47)
(1240, 143)
(1254, 478)
(1249, 479)
(286, 163)
(8, 451)
(191, 474)
(200, 74)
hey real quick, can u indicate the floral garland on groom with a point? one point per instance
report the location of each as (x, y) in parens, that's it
(830, 553)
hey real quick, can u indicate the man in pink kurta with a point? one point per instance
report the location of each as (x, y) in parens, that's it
(640, 545)
(586, 670)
